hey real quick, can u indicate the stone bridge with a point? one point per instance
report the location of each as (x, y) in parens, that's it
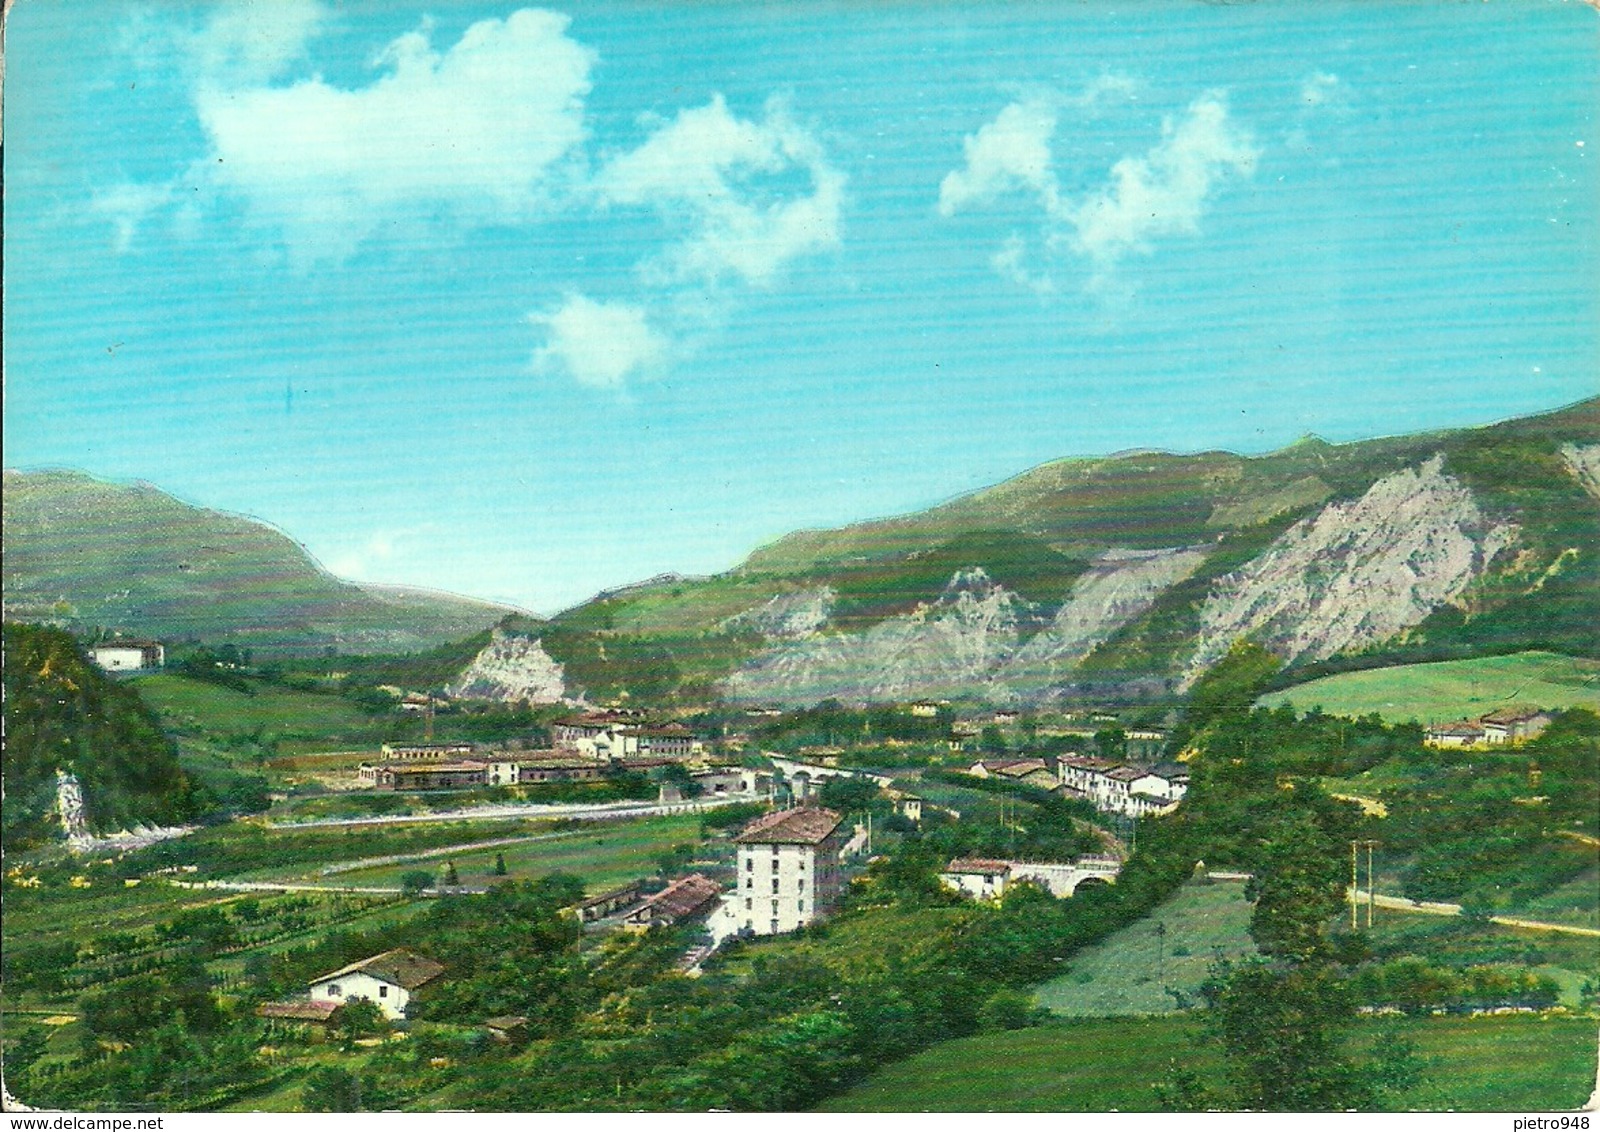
(1066, 879)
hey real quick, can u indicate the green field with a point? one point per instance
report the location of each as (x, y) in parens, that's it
(1132, 971)
(604, 854)
(294, 718)
(1504, 1064)
(1452, 689)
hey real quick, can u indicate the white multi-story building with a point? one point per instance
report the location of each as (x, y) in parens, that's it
(788, 870)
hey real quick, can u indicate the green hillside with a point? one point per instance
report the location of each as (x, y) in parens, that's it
(1454, 689)
(88, 554)
(62, 713)
(1036, 533)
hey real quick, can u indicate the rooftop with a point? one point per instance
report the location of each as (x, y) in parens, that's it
(401, 967)
(808, 825)
(300, 1010)
(1520, 714)
(685, 897)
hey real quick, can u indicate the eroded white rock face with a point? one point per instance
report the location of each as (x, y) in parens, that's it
(511, 669)
(1357, 573)
(786, 616)
(1119, 586)
(1583, 461)
(943, 647)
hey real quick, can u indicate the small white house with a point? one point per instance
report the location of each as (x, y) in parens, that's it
(387, 980)
(129, 656)
(978, 877)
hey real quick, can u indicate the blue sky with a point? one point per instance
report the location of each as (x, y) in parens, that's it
(523, 303)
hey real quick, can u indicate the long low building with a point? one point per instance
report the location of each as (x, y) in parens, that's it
(424, 776)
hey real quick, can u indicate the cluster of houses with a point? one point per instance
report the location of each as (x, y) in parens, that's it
(1498, 728)
(584, 747)
(1119, 788)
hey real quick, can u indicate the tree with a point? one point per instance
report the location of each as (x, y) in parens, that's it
(416, 882)
(992, 741)
(1112, 743)
(848, 795)
(331, 1089)
(361, 1018)
(1298, 885)
(451, 877)
(499, 865)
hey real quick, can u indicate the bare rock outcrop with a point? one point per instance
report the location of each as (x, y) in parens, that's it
(1583, 461)
(1119, 586)
(786, 616)
(1357, 573)
(511, 669)
(945, 647)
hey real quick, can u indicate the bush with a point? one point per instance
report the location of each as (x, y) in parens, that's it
(416, 882)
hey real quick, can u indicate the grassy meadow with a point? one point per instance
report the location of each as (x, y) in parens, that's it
(1452, 689)
(1487, 1064)
(1135, 971)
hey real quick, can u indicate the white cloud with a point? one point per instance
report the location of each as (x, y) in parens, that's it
(247, 41)
(361, 562)
(1164, 192)
(1013, 151)
(599, 344)
(472, 133)
(1319, 88)
(1160, 193)
(127, 206)
(753, 195)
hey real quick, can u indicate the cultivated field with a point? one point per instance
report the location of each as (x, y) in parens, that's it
(1452, 689)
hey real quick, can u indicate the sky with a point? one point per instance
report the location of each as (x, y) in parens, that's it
(523, 303)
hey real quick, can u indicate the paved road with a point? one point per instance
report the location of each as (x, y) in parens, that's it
(298, 886)
(1437, 908)
(609, 811)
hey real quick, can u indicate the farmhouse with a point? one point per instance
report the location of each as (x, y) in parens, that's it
(129, 656)
(685, 899)
(788, 869)
(1460, 733)
(1513, 725)
(925, 709)
(424, 776)
(308, 1012)
(389, 980)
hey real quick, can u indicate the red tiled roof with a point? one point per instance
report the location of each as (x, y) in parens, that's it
(401, 967)
(809, 825)
(301, 1010)
(1510, 715)
(686, 897)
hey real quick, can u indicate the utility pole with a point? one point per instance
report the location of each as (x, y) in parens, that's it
(1353, 886)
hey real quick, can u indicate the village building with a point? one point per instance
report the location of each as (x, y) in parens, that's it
(507, 1029)
(788, 869)
(1513, 725)
(1006, 716)
(925, 709)
(129, 656)
(388, 980)
(1459, 733)
(684, 899)
(1007, 768)
(556, 766)
(909, 806)
(719, 780)
(424, 776)
(978, 877)
(607, 903)
(670, 741)
(425, 752)
(308, 1013)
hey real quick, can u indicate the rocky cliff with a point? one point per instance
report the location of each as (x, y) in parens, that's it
(1119, 586)
(787, 616)
(1583, 461)
(945, 647)
(1357, 573)
(511, 669)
